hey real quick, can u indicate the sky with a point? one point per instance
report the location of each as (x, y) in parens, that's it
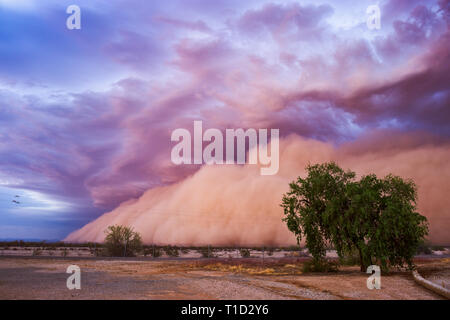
(86, 115)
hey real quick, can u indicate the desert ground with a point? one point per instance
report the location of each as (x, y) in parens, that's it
(219, 278)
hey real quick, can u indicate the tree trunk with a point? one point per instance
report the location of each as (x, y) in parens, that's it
(362, 261)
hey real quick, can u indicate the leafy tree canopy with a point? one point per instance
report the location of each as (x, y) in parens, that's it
(375, 217)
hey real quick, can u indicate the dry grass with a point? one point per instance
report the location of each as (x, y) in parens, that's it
(271, 269)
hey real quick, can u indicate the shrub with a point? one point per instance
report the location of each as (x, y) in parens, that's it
(424, 248)
(171, 251)
(351, 259)
(207, 252)
(245, 253)
(156, 252)
(122, 241)
(146, 252)
(153, 251)
(321, 265)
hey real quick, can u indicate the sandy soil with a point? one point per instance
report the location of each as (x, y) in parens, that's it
(45, 278)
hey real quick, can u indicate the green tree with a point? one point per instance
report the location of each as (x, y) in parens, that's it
(375, 217)
(122, 241)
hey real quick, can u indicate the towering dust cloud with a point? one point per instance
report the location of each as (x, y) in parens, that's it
(235, 205)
